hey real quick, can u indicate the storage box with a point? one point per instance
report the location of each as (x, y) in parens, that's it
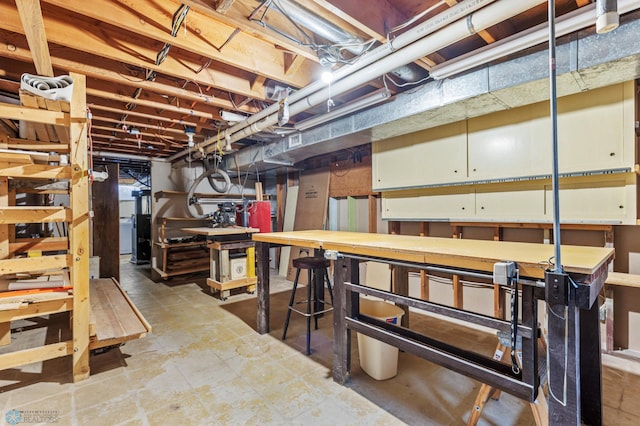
(238, 268)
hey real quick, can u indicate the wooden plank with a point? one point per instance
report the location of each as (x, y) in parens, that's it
(37, 354)
(622, 279)
(5, 333)
(231, 230)
(287, 225)
(33, 115)
(311, 209)
(106, 223)
(31, 101)
(424, 279)
(471, 254)
(62, 133)
(60, 302)
(35, 171)
(32, 264)
(33, 24)
(79, 228)
(33, 214)
(4, 229)
(350, 179)
(16, 143)
(22, 245)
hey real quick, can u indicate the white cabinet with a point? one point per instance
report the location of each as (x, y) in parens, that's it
(433, 204)
(511, 203)
(509, 144)
(609, 199)
(433, 156)
(595, 129)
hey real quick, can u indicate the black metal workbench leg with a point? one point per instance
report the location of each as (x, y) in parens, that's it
(564, 350)
(343, 307)
(262, 269)
(590, 366)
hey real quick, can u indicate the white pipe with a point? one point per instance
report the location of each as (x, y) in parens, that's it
(430, 26)
(482, 19)
(127, 156)
(566, 24)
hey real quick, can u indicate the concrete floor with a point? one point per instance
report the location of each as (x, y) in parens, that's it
(204, 364)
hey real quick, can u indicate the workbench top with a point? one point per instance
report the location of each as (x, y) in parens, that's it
(230, 230)
(532, 258)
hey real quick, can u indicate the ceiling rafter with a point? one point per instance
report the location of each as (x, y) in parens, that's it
(103, 41)
(12, 48)
(33, 24)
(202, 38)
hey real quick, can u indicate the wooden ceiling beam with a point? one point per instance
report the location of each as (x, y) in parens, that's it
(204, 37)
(109, 71)
(181, 141)
(237, 16)
(151, 104)
(33, 25)
(174, 121)
(103, 41)
(145, 126)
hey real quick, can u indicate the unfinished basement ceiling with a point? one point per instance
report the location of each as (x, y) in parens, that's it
(156, 68)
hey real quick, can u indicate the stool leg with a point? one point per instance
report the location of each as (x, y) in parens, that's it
(291, 299)
(309, 301)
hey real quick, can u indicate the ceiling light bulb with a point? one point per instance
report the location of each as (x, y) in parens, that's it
(327, 77)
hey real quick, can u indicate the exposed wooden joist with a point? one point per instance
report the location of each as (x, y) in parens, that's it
(94, 106)
(222, 6)
(151, 104)
(240, 21)
(125, 47)
(131, 123)
(108, 71)
(35, 171)
(33, 24)
(204, 37)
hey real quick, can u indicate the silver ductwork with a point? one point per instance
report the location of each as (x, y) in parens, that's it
(331, 32)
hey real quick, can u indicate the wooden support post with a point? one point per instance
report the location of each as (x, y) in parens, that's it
(79, 227)
(498, 294)
(424, 279)
(373, 214)
(458, 299)
(4, 228)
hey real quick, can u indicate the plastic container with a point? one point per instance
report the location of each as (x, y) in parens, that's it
(378, 359)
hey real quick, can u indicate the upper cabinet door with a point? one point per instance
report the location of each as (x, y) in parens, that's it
(596, 129)
(432, 156)
(507, 144)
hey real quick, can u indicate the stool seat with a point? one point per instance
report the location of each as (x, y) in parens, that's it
(310, 262)
(317, 278)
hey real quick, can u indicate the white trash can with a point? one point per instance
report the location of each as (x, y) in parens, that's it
(378, 359)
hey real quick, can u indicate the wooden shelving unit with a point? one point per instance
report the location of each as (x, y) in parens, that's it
(58, 127)
(180, 258)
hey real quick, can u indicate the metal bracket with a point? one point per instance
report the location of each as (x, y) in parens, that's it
(556, 288)
(332, 254)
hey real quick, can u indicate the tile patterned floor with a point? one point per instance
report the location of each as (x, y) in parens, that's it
(205, 365)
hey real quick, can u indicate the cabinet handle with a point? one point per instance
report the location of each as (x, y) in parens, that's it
(463, 208)
(622, 207)
(455, 171)
(613, 154)
(474, 170)
(482, 208)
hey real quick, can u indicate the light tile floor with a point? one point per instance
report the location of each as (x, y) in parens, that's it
(204, 364)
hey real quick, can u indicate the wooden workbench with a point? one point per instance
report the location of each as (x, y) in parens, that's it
(223, 243)
(579, 356)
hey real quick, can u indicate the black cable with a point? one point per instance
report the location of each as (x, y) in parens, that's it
(513, 282)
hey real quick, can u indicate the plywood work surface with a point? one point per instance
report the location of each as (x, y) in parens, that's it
(232, 230)
(461, 253)
(116, 318)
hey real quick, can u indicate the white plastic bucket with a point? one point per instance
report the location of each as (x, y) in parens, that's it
(379, 360)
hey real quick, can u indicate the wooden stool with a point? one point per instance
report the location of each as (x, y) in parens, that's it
(317, 275)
